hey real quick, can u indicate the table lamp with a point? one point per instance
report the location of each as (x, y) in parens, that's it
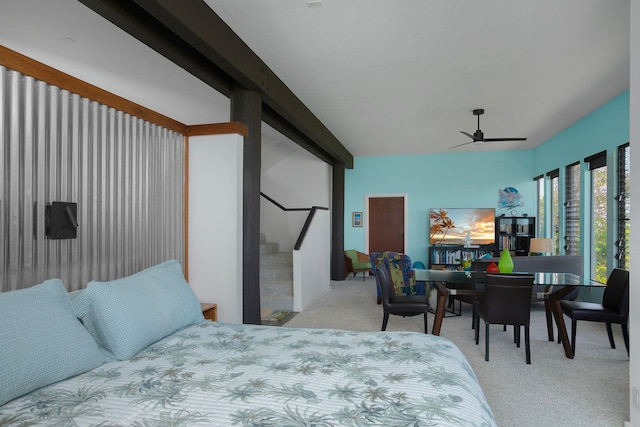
(540, 246)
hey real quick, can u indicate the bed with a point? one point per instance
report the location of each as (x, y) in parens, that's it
(216, 374)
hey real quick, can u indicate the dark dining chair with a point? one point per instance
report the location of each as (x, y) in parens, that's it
(614, 308)
(507, 301)
(401, 305)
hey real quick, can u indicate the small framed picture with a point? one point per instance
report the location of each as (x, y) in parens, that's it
(356, 219)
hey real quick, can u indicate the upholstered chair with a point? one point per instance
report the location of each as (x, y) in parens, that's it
(356, 262)
(400, 305)
(400, 271)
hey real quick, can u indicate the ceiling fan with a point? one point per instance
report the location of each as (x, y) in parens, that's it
(478, 135)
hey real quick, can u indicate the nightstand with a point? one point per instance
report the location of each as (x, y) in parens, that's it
(209, 311)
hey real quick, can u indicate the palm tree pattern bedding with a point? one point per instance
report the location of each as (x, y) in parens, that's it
(215, 374)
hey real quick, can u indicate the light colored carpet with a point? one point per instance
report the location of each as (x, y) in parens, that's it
(590, 390)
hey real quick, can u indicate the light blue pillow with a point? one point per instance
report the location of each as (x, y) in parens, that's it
(41, 340)
(127, 315)
(73, 294)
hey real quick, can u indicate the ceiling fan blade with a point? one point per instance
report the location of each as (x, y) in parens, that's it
(468, 134)
(466, 143)
(504, 139)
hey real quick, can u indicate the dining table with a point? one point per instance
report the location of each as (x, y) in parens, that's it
(549, 287)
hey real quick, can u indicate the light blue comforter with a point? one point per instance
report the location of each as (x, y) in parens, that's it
(215, 374)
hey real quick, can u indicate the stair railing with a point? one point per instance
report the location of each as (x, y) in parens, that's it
(312, 211)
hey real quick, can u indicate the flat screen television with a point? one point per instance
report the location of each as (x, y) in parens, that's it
(453, 226)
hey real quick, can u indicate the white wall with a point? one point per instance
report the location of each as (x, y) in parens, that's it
(311, 264)
(299, 180)
(215, 222)
(634, 289)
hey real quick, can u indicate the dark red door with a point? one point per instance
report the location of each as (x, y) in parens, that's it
(386, 224)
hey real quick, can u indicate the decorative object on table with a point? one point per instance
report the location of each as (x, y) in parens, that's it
(356, 219)
(505, 263)
(465, 263)
(540, 246)
(493, 268)
(509, 198)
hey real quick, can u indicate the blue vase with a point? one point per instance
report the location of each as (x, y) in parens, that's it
(505, 264)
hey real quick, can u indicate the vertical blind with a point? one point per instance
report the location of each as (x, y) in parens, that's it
(555, 209)
(540, 208)
(623, 200)
(572, 209)
(125, 174)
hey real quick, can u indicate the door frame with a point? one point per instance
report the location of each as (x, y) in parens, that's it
(405, 199)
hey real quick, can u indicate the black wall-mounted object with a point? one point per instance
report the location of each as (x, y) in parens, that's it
(60, 220)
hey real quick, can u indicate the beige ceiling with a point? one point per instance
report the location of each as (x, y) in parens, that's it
(385, 77)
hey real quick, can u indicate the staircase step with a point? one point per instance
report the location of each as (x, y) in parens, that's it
(269, 248)
(276, 274)
(276, 277)
(280, 258)
(276, 302)
(274, 286)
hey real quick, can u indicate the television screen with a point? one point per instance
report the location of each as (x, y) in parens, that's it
(454, 226)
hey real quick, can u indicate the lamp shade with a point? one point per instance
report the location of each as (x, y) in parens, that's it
(540, 245)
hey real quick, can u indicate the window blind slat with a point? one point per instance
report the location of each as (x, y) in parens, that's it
(572, 209)
(624, 205)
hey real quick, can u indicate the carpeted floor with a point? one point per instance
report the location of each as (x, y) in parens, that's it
(590, 390)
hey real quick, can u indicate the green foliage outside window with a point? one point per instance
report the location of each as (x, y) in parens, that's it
(599, 224)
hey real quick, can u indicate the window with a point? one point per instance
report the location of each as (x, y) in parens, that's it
(623, 200)
(572, 210)
(540, 204)
(598, 168)
(555, 210)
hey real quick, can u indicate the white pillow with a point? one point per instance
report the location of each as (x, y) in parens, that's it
(127, 315)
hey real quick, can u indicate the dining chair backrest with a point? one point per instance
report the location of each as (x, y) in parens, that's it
(507, 298)
(616, 294)
(386, 286)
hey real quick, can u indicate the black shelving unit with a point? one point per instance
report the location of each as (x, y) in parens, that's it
(514, 234)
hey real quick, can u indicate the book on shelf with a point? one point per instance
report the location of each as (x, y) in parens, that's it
(452, 256)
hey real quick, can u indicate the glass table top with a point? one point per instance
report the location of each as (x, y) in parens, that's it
(541, 278)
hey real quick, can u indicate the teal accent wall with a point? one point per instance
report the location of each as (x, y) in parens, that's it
(472, 180)
(604, 129)
(449, 180)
